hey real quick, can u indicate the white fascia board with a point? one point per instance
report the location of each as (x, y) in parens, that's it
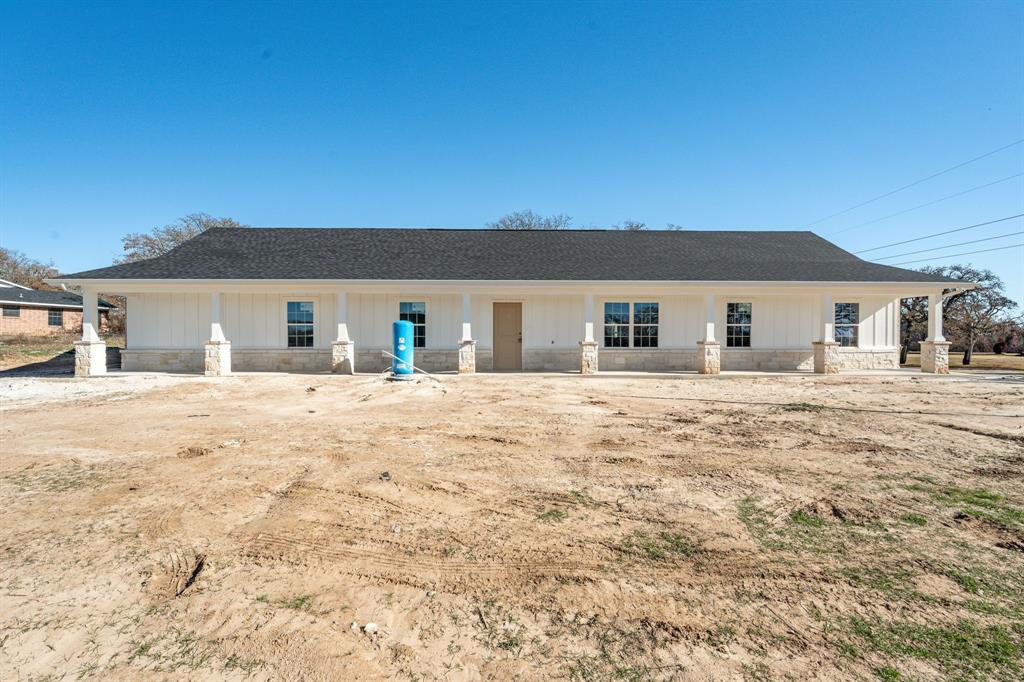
(9, 283)
(36, 304)
(123, 286)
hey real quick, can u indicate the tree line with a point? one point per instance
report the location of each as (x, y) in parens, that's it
(983, 319)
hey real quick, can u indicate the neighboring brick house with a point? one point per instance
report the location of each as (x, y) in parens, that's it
(32, 312)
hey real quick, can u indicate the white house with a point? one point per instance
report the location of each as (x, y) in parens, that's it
(489, 300)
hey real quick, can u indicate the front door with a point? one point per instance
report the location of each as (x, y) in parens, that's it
(508, 336)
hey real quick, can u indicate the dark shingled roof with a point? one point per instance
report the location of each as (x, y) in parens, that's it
(438, 254)
(37, 297)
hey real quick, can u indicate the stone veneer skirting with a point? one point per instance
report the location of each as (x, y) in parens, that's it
(561, 360)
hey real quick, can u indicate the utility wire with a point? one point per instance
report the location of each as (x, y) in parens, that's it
(916, 182)
(949, 246)
(954, 255)
(929, 203)
(939, 234)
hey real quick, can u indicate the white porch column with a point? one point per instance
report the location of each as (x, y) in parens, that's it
(826, 349)
(90, 351)
(935, 350)
(343, 349)
(588, 346)
(709, 351)
(217, 351)
(467, 346)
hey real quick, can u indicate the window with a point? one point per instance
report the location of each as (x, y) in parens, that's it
(55, 317)
(737, 324)
(847, 323)
(12, 311)
(300, 324)
(417, 314)
(617, 325)
(645, 325)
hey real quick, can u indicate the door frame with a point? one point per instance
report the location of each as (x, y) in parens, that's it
(522, 329)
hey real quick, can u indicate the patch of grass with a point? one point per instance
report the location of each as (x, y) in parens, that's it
(967, 582)
(802, 518)
(660, 546)
(301, 602)
(914, 519)
(964, 649)
(888, 673)
(246, 665)
(981, 503)
(553, 515)
(804, 407)
(619, 657)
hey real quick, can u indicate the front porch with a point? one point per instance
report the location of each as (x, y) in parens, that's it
(658, 329)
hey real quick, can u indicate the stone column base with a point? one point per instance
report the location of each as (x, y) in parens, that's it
(935, 357)
(826, 357)
(467, 357)
(709, 357)
(588, 357)
(90, 358)
(217, 358)
(343, 357)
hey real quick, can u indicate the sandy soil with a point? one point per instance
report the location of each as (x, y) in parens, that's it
(527, 527)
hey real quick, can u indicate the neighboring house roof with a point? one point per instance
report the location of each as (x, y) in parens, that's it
(6, 283)
(48, 299)
(443, 254)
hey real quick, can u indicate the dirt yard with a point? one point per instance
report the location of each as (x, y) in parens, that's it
(512, 527)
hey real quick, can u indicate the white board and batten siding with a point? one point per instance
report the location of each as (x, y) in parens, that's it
(259, 321)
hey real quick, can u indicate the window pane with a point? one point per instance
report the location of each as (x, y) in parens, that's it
(419, 336)
(738, 313)
(645, 313)
(737, 336)
(616, 313)
(847, 313)
(616, 336)
(55, 318)
(645, 336)
(300, 312)
(846, 335)
(300, 336)
(12, 311)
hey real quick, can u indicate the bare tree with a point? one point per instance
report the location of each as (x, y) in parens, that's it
(980, 312)
(16, 267)
(528, 220)
(158, 241)
(631, 226)
(672, 227)
(913, 323)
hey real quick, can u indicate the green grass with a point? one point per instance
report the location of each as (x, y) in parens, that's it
(965, 649)
(660, 546)
(553, 515)
(802, 518)
(982, 504)
(913, 519)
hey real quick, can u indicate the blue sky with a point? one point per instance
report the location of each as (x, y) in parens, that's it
(120, 117)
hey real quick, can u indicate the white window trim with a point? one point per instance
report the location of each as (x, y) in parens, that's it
(426, 320)
(726, 324)
(631, 302)
(316, 324)
(856, 326)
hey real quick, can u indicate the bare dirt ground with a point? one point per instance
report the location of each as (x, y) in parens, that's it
(527, 527)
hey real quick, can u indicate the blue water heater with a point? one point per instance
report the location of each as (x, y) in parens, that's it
(402, 342)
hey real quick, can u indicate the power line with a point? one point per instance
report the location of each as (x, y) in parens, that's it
(916, 182)
(939, 234)
(954, 255)
(928, 203)
(949, 246)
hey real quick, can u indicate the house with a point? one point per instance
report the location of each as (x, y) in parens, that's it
(307, 299)
(32, 312)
